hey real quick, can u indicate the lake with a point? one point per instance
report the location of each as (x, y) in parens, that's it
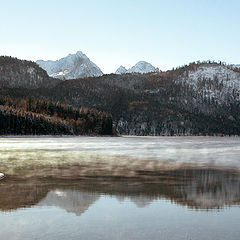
(120, 188)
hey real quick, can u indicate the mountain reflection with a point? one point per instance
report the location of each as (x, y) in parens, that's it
(195, 188)
(72, 201)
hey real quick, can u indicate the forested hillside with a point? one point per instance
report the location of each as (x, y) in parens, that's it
(17, 73)
(202, 98)
(39, 117)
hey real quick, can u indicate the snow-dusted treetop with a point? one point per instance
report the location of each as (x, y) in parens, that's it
(213, 81)
(236, 65)
(76, 65)
(140, 67)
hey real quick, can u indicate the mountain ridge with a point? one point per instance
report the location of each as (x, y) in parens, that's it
(201, 98)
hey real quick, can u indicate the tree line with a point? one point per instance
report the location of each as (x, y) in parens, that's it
(42, 117)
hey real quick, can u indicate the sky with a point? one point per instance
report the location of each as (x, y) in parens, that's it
(166, 33)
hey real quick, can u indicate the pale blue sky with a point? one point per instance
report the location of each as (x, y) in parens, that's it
(111, 33)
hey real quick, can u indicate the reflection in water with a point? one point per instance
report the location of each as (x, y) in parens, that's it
(120, 188)
(195, 188)
(72, 201)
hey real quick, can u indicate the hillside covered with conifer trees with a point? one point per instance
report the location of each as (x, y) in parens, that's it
(31, 116)
(201, 98)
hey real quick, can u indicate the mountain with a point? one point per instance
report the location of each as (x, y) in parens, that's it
(141, 67)
(197, 99)
(202, 98)
(15, 73)
(121, 70)
(71, 67)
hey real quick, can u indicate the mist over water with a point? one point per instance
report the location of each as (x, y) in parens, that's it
(202, 151)
(120, 187)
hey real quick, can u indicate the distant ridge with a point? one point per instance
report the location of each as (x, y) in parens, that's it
(140, 67)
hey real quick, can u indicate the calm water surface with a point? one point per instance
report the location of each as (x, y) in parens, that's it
(120, 188)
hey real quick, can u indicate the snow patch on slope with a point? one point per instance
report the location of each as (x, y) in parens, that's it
(213, 81)
(236, 65)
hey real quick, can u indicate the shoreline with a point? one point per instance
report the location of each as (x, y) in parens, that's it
(119, 135)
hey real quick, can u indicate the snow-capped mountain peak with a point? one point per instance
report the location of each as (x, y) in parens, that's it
(76, 65)
(141, 67)
(121, 70)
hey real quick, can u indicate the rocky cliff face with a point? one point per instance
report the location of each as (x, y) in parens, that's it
(71, 67)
